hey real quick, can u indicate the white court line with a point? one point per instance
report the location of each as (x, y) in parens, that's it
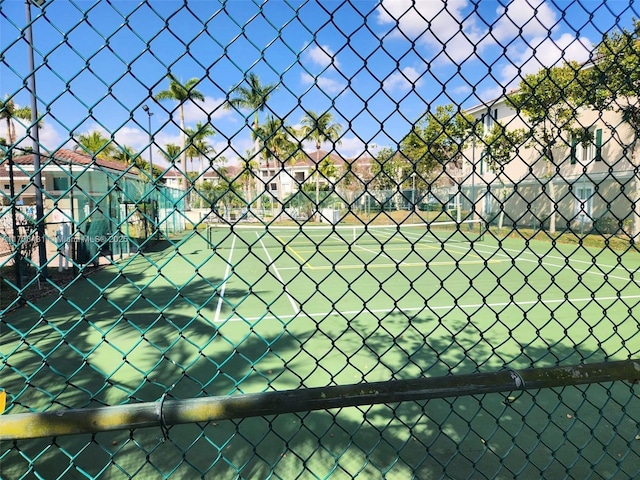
(474, 306)
(489, 249)
(216, 319)
(275, 269)
(377, 253)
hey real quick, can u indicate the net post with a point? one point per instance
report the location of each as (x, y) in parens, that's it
(484, 227)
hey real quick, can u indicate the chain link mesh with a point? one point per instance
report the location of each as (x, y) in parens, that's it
(220, 200)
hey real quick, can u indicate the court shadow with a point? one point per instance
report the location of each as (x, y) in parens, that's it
(533, 434)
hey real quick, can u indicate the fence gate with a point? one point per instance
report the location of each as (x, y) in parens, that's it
(313, 239)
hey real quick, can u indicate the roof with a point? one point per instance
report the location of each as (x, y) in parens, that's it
(310, 158)
(64, 156)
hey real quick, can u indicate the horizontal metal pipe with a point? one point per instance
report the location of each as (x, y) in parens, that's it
(171, 412)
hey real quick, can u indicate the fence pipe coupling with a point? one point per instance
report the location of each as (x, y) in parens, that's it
(173, 412)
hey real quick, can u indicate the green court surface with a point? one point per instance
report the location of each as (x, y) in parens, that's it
(236, 310)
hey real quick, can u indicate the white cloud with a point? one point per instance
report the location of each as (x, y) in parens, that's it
(200, 111)
(524, 19)
(439, 24)
(491, 93)
(326, 84)
(461, 90)
(350, 147)
(48, 136)
(131, 137)
(347, 148)
(544, 52)
(528, 30)
(405, 79)
(413, 19)
(322, 55)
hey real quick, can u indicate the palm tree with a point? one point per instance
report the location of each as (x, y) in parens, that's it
(170, 152)
(126, 154)
(198, 145)
(9, 111)
(129, 156)
(278, 143)
(95, 144)
(277, 140)
(320, 129)
(249, 165)
(181, 94)
(254, 97)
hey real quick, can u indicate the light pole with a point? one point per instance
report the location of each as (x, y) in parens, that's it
(35, 136)
(153, 181)
(150, 114)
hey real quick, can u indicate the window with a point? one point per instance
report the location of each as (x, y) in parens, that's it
(483, 165)
(273, 186)
(489, 119)
(588, 152)
(591, 150)
(584, 200)
(487, 204)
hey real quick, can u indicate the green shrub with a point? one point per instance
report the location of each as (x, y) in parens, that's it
(607, 225)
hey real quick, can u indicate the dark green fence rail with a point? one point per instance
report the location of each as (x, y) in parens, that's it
(314, 240)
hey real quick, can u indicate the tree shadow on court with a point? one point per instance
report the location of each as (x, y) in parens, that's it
(543, 433)
(554, 432)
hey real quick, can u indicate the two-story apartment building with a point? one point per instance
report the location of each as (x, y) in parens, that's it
(283, 181)
(592, 183)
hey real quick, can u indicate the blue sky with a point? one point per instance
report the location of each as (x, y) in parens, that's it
(377, 66)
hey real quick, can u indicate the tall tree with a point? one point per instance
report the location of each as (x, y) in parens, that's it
(276, 139)
(613, 83)
(327, 168)
(170, 152)
(389, 169)
(95, 144)
(126, 154)
(254, 96)
(10, 111)
(181, 93)
(500, 147)
(319, 128)
(437, 140)
(278, 144)
(198, 146)
(249, 165)
(548, 101)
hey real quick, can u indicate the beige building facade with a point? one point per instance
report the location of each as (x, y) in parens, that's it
(590, 185)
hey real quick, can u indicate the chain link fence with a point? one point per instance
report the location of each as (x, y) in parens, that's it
(319, 239)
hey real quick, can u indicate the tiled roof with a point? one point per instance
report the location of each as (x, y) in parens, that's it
(64, 156)
(172, 172)
(310, 158)
(210, 173)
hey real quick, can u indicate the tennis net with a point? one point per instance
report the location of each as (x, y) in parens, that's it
(347, 236)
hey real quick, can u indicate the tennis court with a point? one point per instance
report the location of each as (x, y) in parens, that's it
(241, 309)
